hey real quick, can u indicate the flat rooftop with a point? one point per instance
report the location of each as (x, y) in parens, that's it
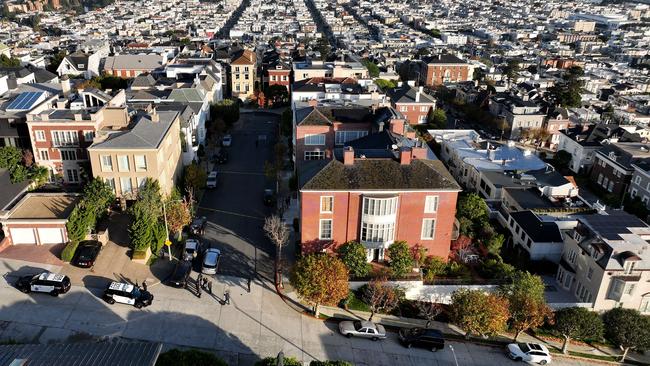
(56, 206)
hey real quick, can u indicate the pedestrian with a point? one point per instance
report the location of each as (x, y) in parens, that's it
(210, 287)
(144, 285)
(226, 297)
(249, 284)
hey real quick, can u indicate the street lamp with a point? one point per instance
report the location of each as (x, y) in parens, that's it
(454, 353)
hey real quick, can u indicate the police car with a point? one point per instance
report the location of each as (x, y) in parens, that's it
(126, 293)
(51, 283)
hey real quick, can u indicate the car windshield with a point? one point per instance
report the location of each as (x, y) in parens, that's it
(523, 347)
(416, 331)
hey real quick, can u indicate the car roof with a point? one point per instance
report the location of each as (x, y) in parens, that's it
(537, 347)
(211, 255)
(213, 174)
(367, 324)
(49, 276)
(191, 243)
(121, 286)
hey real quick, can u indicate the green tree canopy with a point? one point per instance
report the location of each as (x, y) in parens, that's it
(386, 84)
(8, 62)
(627, 329)
(320, 279)
(400, 258)
(526, 302)
(353, 254)
(194, 177)
(479, 313)
(577, 323)
(437, 118)
(373, 70)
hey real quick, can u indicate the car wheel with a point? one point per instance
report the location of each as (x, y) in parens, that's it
(375, 339)
(138, 305)
(110, 301)
(543, 362)
(54, 293)
(518, 359)
(349, 335)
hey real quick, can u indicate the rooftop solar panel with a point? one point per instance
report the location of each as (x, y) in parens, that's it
(24, 101)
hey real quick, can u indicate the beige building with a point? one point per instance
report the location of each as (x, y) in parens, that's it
(243, 73)
(584, 26)
(605, 262)
(151, 149)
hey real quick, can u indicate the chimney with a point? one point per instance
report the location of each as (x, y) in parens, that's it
(313, 103)
(397, 126)
(419, 151)
(417, 95)
(405, 156)
(154, 116)
(348, 155)
(65, 85)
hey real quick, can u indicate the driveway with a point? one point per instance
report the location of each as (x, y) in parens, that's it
(235, 209)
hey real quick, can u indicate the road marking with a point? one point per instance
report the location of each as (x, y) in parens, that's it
(232, 213)
(238, 172)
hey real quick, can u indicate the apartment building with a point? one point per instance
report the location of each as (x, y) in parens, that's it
(640, 182)
(613, 170)
(61, 129)
(519, 112)
(347, 68)
(243, 74)
(446, 69)
(378, 199)
(327, 90)
(413, 103)
(605, 262)
(130, 66)
(150, 149)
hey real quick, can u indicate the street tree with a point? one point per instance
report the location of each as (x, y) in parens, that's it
(353, 254)
(278, 234)
(577, 323)
(320, 279)
(526, 304)
(479, 313)
(179, 215)
(400, 258)
(194, 177)
(437, 118)
(473, 207)
(627, 329)
(373, 70)
(429, 309)
(380, 297)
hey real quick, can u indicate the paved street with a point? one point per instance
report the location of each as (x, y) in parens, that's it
(256, 324)
(235, 209)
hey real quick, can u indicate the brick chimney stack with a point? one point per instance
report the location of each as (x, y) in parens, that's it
(313, 103)
(348, 156)
(405, 156)
(397, 126)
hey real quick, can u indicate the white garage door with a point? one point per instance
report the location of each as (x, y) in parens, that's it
(50, 236)
(23, 236)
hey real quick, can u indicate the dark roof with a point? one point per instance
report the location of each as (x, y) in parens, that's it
(548, 177)
(407, 94)
(322, 116)
(529, 198)
(382, 174)
(536, 229)
(42, 75)
(95, 354)
(444, 58)
(613, 224)
(146, 134)
(627, 153)
(593, 135)
(143, 81)
(78, 58)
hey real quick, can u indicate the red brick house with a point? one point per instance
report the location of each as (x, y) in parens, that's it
(279, 73)
(444, 69)
(318, 130)
(556, 121)
(411, 102)
(377, 197)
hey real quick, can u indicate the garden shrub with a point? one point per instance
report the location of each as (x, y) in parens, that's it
(68, 251)
(273, 361)
(192, 357)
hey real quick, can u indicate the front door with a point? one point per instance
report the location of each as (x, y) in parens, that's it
(375, 255)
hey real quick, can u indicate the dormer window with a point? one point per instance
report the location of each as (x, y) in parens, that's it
(612, 155)
(628, 267)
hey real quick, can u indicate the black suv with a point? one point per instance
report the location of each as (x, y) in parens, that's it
(181, 274)
(424, 338)
(51, 283)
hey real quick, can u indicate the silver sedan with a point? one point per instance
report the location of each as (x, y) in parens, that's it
(364, 329)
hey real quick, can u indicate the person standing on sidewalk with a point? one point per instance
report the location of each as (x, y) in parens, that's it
(226, 297)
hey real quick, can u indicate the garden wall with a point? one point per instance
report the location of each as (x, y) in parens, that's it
(416, 290)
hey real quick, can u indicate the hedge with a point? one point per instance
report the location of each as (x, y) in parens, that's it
(68, 252)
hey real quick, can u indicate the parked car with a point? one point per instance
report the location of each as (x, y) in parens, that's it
(221, 157)
(86, 253)
(226, 140)
(212, 179)
(269, 197)
(181, 274)
(197, 227)
(529, 352)
(363, 329)
(51, 283)
(211, 261)
(192, 249)
(127, 293)
(423, 338)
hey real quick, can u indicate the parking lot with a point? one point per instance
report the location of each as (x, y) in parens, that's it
(235, 208)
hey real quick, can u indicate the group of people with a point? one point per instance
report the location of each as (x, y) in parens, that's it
(204, 284)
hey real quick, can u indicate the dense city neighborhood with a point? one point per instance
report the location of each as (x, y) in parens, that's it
(324, 183)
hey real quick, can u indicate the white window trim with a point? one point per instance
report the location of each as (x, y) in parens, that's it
(314, 134)
(436, 199)
(137, 168)
(39, 135)
(106, 168)
(128, 163)
(320, 228)
(331, 205)
(422, 236)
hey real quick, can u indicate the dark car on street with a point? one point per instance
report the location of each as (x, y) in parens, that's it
(197, 227)
(423, 338)
(181, 274)
(86, 253)
(269, 197)
(221, 157)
